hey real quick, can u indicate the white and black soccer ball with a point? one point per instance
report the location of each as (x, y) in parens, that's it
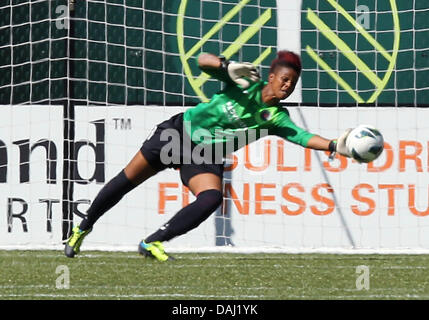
(365, 143)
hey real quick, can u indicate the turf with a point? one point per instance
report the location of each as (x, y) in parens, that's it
(126, 275)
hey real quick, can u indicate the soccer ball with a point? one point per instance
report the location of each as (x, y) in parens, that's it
(365, 143)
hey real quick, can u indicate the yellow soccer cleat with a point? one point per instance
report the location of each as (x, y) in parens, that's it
(154, 250)
(73, 243)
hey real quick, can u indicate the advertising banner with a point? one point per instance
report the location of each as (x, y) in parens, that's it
(277, 194)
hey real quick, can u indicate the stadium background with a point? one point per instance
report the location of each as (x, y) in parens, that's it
(117, 58)
(138, 38)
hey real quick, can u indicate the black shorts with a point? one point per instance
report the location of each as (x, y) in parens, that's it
(179, 154)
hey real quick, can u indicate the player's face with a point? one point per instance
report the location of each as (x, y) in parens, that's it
(283, 82)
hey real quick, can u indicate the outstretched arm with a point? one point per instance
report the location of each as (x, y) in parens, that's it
(208, 61)
(339, 145)
(287, 129)
(318, 143)
(228, 71)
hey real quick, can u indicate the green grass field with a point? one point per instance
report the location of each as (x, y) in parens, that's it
(126, 275)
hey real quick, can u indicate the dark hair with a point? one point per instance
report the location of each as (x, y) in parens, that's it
(287, 59)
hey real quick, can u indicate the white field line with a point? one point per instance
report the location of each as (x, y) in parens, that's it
(230, 249)
(127, 296)
(121, 287)
(218, 256)
(139, 296)
(86, 258)
(124, 287)
(365, 295)
(251, 265)
(24, 286)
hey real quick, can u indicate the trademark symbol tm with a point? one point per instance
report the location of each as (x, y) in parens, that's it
(122, 123)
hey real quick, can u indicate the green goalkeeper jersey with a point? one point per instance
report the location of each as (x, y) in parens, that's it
(235, 111)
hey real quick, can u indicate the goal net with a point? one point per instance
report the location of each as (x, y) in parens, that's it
(82, 84)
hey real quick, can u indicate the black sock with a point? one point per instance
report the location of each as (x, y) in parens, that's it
(108, 196)
(189, 217)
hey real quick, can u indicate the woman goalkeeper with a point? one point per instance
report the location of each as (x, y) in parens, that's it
(247, 107)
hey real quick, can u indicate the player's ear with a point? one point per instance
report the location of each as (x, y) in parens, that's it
(271, 77)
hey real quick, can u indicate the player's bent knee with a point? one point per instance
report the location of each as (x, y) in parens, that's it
(211, 198)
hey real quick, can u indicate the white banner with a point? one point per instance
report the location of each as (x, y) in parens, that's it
(278, 195)
(31, 164)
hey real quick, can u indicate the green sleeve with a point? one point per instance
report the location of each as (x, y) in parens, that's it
(284, 127)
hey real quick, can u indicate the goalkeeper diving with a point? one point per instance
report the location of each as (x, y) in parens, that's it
(246, 104)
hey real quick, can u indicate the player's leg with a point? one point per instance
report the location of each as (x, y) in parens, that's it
(137, 171)
(207, 187)
(146, 163)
